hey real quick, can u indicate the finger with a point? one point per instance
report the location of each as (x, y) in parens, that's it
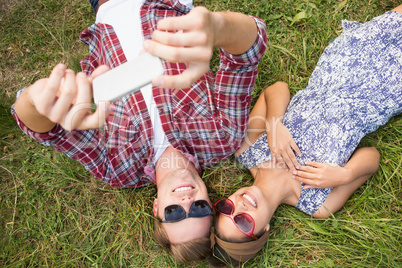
(303, 180)
(309, 187)
(53, 85)
(280, 162)
(314, 164)
(98, 71)
(75, 116)
(288, 161)
(306, 175)
(82, 104)
(311, 183)
(35, 93)
(183, 80)
(292, 157)
(186, 22)
(180, 39)
(84, 94)
(308, 169)
(296, 149)
(178, 54)
(97, 119)
(64, 102)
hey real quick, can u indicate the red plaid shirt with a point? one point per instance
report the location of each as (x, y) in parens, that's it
(206, 122)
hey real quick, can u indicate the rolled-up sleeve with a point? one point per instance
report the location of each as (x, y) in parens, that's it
(234, 83)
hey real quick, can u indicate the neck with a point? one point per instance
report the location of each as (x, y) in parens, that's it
(170, 161)
(277, 185)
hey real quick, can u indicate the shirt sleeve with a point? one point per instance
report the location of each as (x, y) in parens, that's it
(84, 146)
(251, 57)
(234, 83)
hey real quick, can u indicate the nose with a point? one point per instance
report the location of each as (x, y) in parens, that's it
(185, 202)
(185, 198)
(240, 206)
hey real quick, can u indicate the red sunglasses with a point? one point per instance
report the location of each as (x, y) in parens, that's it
(243, 221)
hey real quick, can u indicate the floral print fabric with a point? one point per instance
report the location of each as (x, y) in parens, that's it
(355, 88)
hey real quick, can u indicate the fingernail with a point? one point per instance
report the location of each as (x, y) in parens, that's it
(295, 172)
(81, 75)
(297, 167)
(61, 66)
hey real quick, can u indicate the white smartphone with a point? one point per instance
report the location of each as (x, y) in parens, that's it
(126, 78)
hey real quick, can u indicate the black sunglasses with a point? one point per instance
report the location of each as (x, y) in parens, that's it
(198, 209)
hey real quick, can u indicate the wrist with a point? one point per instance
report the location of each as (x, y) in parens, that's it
(347, 176)
(274, 121)
(27, 112)
(28, 97)
(24, 102)
(234, 32)
(218, 19)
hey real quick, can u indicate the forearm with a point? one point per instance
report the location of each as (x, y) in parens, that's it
(234, 32)
(364, 162)
(29, 115)
(270, 107)
(277, 98)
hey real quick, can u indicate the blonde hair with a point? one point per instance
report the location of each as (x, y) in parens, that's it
(194, 250)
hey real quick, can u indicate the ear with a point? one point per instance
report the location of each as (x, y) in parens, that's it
(155, 207)
(266, 227)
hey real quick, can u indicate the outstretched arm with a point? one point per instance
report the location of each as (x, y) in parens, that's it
(64, 98)
(192, 37)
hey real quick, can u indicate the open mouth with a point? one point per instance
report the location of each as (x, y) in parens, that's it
(183, 189)
(250, 200)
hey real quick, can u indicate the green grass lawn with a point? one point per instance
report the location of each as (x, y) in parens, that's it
(54, 214)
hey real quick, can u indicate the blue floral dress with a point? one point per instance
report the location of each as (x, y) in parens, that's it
(355, 88)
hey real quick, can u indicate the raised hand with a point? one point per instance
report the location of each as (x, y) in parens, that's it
(64, 98)
(282, 145)
(321, 175)
(188, 39)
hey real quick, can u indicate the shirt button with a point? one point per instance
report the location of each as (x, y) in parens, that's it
(145, 28)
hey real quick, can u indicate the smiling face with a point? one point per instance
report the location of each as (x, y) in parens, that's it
(248, 200)
(182, 187)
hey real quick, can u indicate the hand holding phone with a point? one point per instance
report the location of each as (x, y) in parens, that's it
(126, 78)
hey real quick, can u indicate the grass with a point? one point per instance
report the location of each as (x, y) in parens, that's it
(54, 214)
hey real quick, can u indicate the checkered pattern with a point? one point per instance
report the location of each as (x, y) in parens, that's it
(206, 122)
